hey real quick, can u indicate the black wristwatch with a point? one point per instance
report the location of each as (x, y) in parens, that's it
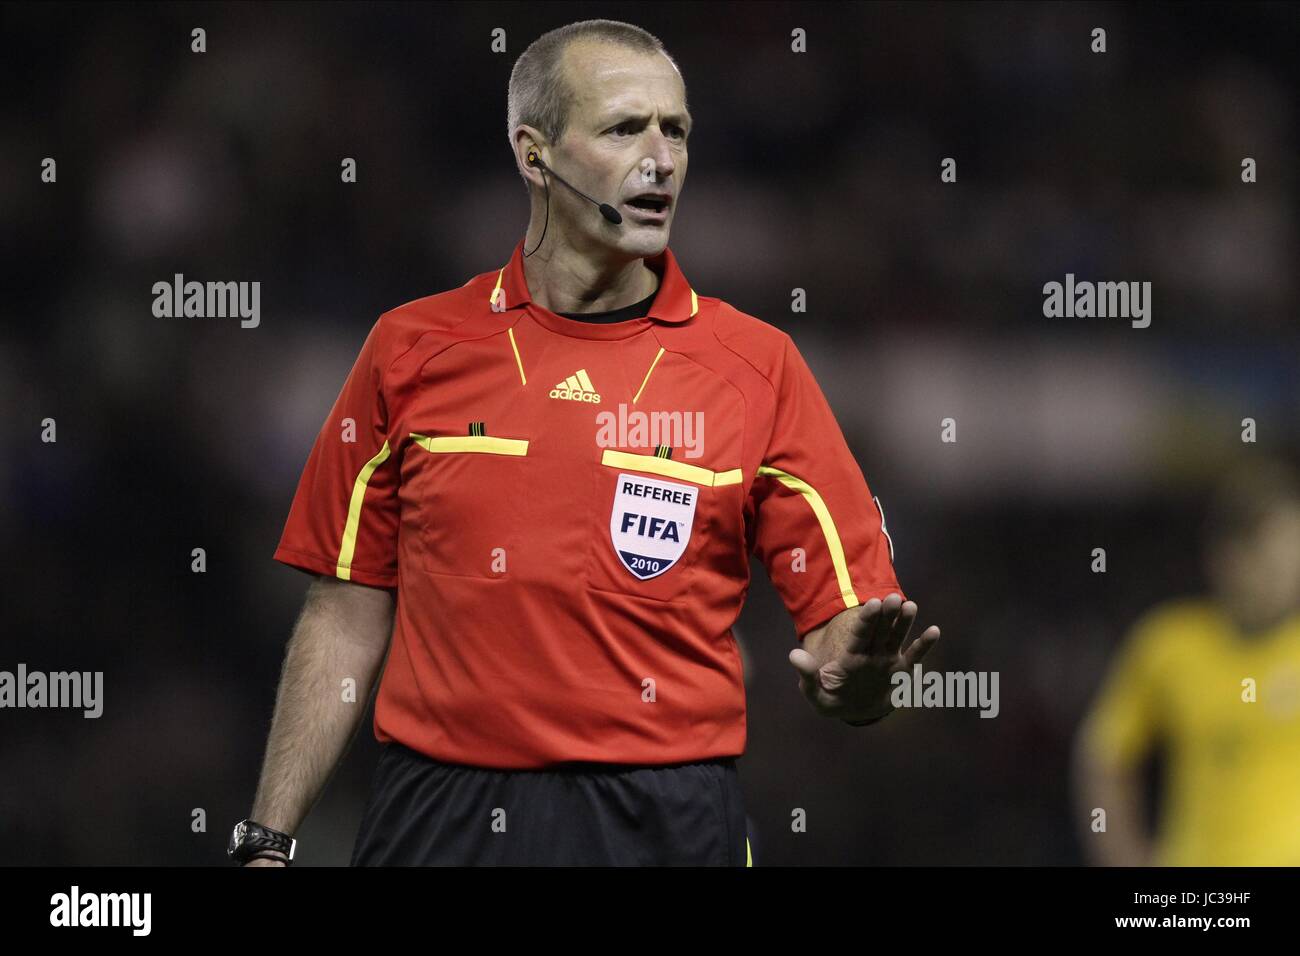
(250, 840)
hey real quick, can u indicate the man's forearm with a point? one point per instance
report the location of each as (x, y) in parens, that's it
(313, 722)
(1124, 842)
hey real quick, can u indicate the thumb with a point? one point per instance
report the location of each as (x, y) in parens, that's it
(810, 684)
(805, 664)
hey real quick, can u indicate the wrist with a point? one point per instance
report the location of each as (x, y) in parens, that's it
(869, 719)
(251, 840)
(266, 855)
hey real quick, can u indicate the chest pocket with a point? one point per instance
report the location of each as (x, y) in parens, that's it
(651, 519)
(465, 490)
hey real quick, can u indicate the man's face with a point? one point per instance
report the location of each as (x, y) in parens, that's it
(1263, 570)
(626, 138)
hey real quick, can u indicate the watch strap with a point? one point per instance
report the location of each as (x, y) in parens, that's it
(869, 720)
(252, 838)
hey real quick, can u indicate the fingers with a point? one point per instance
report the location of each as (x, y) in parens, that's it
(879, 630)
(897, 634)
(864, 628)
(874, 625)
(921, 646)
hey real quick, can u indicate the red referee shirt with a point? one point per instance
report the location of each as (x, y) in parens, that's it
(566, 577)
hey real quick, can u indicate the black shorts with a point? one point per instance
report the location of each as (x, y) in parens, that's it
(423, 812)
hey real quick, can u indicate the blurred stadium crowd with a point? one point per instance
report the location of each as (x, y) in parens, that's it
(817, 171)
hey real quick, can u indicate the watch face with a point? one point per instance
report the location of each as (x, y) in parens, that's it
(237, 837)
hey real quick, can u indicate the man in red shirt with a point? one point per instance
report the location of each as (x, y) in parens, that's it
(543, 487)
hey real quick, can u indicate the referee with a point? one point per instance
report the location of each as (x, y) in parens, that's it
(531, 511)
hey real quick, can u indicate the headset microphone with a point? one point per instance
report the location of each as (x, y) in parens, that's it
(606, 210)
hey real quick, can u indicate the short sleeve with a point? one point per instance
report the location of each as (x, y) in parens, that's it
(344, 518)
(817, 528)
(1124, 719)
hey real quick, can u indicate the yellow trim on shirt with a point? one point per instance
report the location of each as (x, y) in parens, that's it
(518, 360)
(832, 536)
(647, 374)
(489, 444)
(670, 469)
(493, 297)
(343, 568)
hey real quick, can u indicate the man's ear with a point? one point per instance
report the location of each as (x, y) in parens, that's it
(526, 138)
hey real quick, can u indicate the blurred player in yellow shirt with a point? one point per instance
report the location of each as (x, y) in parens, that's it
(1216, 681)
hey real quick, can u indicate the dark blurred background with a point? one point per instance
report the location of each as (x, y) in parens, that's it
(817, 171)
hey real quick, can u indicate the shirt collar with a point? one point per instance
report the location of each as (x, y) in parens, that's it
(675, 301)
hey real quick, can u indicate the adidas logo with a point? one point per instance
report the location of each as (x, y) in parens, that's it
(577, 388)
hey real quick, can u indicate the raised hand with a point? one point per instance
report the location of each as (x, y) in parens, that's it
(845, 665)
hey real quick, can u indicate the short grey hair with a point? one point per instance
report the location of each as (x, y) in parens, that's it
(538, 95)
